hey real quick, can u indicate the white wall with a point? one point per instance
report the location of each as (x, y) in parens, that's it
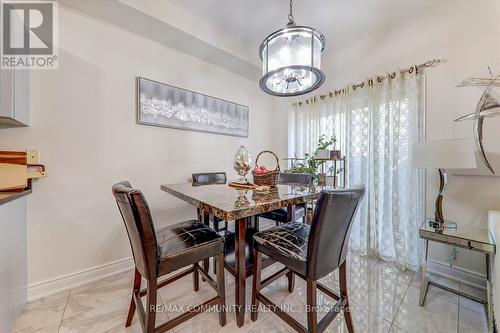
(184, 20)
(83, 123)
(466, 34)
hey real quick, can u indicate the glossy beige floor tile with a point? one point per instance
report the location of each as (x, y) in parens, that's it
(383, 290)
(105, 318)
(447, 295)
(438, 315)
(91, 296)
(49, 329)
(134, 328)
(357, 270)
(364, 321)
(469, 304)
(179, 296)
(270, 324)
(209, 322)
(43, 315)
(275, 291)
(472, 305)
(383, 299)
(99, 319)
(471, 322)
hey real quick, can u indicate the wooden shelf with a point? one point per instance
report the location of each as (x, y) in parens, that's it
(322, 164)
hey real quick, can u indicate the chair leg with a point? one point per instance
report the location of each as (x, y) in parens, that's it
(206, 262)
(312, 315)
(257, 267)
(196, 278)
(135, 289)
(304, 218)
(256, 222)
(343, 294)
(221, 288)
(291, 281)
(150, 321)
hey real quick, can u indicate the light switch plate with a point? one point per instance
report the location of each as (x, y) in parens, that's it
(33, 156)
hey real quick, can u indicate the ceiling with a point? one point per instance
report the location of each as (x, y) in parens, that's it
(341, 21)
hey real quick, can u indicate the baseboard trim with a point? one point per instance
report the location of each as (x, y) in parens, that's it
(62, 283)
(458, 274)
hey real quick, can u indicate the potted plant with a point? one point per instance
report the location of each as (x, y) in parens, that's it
(322, 150)
(332, 178)
(310, 164)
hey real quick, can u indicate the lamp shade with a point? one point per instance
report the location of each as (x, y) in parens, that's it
(444, 154)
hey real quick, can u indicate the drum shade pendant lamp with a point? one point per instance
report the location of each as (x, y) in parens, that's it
(291, 60)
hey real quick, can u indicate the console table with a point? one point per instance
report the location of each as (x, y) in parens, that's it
(467, 237)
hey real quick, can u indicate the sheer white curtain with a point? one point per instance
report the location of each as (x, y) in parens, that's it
(376, 126)
(325, 117)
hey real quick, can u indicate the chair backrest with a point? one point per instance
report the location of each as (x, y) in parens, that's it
(330, 228)
(295, 179)
(209, 178)
(139, 224)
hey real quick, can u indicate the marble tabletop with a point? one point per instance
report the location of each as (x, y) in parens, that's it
(229, 203)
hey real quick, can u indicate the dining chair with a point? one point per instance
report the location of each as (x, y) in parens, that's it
(160, 252)
(311, 252)
(283, 215)
(210, 178)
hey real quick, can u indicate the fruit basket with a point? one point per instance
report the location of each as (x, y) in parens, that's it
(264, 177)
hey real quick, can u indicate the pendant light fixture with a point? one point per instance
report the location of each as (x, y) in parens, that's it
(291, 60)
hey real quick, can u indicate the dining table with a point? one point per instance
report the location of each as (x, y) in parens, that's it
(243, 207)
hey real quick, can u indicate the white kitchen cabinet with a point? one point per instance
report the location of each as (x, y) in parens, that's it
(14, 98)
(13, 258)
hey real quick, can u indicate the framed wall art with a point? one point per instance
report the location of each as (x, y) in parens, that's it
(160, 104)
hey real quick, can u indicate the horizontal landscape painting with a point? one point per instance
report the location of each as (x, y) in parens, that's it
(163, 105)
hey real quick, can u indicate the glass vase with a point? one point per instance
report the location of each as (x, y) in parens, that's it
(242, 164)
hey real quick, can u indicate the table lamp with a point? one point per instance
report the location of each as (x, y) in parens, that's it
(442, 155)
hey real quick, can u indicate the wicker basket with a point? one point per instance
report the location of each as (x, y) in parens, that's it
(269, 178)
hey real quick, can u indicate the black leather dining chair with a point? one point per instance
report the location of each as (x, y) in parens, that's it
(311, 252)
(282, 215)
(160, 252)
(208, 178)
(211, 178)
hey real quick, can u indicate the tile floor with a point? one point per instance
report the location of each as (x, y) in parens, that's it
(384, 299)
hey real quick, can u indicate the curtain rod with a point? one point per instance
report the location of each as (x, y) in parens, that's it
(416, 68)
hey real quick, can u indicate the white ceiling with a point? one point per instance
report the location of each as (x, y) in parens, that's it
(341, 21)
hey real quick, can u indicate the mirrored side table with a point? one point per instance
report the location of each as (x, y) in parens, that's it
(467, 237)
